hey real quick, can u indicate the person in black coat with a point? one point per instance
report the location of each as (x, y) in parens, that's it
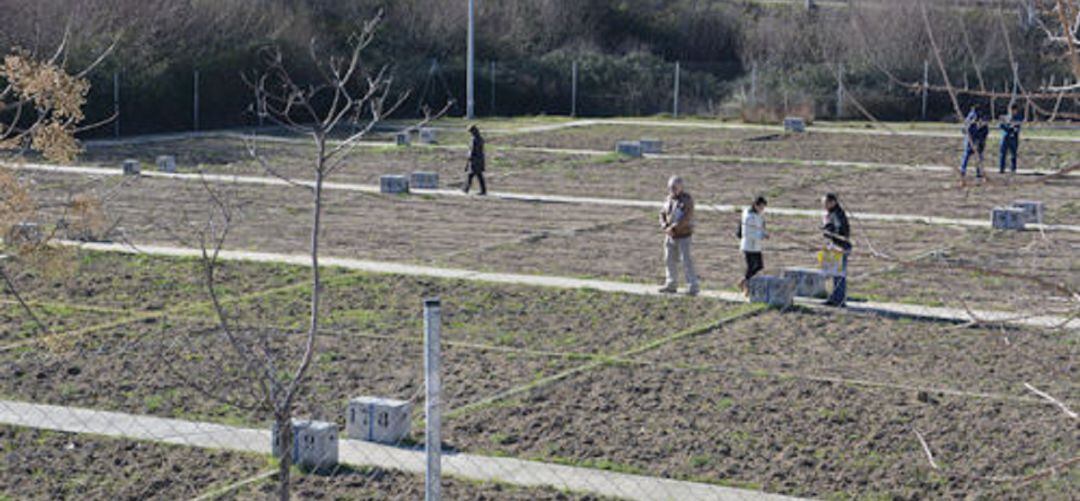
(837, 231)
(475, 166)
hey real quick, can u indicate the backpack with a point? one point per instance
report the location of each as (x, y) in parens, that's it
(738, 230)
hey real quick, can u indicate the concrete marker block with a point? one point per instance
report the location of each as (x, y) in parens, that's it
(381, 420)
(809, 282)
(166, 163)
(403, 138)
(774, 291)
(795, 125)
(424, 180)
(652, 146)
(24, 234)
(428, 136)
(314, 445)
(394, 184)
(629, 148)
(1006, 218)
(1033, 210)
(131, 167)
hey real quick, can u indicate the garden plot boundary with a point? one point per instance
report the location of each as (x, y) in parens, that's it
(957, 315)
(468, 466)
(517, 197)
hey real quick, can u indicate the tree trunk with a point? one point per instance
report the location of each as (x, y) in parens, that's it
(283, 420)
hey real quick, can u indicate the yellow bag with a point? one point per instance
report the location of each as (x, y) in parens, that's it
(831, 261)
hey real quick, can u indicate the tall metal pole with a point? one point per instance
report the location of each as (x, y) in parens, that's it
(675, 105)
(926, 87)
(470, 102)
(116, 103)
(492, 112)
(433, 418)
(195, 101)
(839, 91)
(573, 89)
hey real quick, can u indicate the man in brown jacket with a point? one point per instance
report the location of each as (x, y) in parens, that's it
(677, 221)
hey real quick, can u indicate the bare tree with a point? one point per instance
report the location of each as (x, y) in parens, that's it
(350, 98)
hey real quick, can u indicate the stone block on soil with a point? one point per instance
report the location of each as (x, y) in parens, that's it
(774, 291)
(428, 136)
(131, 167)
(403, 138)
(394, 184)
(314, 445)
(166, 163)
(809, 282)
(1033, 211)
(377, 419)
(794, 124)
(629, 148)
(424, 180)
(1007, 218)
(652, 146)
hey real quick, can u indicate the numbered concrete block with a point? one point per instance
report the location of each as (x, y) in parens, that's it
(629, 148)
(424, 180)
(795, 125)
(652, 146)
(24, 234)
(403, 138)
(131, 167)
(166, 163)
(809, 282)
(1007, 218)
(428, 136)
(314, 444)
(376, 419)
(1033, 211)
(774, 291)
(394, 184)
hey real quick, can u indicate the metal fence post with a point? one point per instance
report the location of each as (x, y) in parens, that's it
(753, 84)
(675, 110)
(492, 87)
(116, 103)
(432, 363)
(925, 86)
(573, 89)
(195, 101)
(839, 91)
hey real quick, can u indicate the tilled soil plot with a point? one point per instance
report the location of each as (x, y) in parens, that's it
(185, 369)
(911, 150)
(901, 353)
(16, 325)
(50, 465)
(966, 269)
(784, 435)
(370, 484)
(880, 190)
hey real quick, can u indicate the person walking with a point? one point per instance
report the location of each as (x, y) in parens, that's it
(475, 165)
(677, 222)
(976, 129)
(837, 232)
(751, 233)
(1010, 137)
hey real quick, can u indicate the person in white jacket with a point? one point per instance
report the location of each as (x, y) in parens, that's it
(751, 233)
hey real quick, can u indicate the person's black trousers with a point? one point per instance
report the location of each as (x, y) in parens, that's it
(479, 176)
(754, 264)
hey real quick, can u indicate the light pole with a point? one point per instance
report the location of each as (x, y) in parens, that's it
(470, 102)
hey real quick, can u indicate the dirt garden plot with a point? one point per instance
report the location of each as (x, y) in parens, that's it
(782, 435)
(902, 353)
(51, 465)
(810, 146)
(43, 464)
(879, 190)
(372, 346)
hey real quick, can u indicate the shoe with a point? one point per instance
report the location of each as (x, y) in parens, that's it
(668, 289)
(693, 291)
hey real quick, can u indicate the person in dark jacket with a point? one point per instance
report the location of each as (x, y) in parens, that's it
(837, 233)
(976, 129)
(1010, 138)
(475, 166)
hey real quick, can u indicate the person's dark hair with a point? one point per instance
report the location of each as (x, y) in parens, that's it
(831, 197)
(474, 129)
(761, 201)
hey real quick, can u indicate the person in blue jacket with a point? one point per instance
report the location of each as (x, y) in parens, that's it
(1010, 138)
(976, 130)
